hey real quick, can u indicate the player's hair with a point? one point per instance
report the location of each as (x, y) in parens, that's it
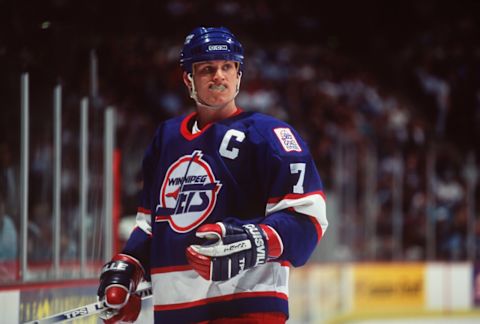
(208, 44)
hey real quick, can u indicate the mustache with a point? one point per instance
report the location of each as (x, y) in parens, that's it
(219, 87)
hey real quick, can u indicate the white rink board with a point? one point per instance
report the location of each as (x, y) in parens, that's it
(146, 315)
(450, 320)
(449, 286)
(9, 306)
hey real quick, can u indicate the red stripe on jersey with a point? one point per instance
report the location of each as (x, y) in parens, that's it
(249, 318)
(171, 269)
(188, 267)
(318, 227)
(274, 200)
(143, 210)
(161, 218)
(220, 299)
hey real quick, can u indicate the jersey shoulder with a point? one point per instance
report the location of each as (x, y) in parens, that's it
(170, 129)
(173, 122)
(166, 131)
(280, 136)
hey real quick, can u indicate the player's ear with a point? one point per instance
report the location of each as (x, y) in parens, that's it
(187, 79)
(239, 72)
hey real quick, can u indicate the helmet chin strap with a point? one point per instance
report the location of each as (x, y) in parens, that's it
(194, 96)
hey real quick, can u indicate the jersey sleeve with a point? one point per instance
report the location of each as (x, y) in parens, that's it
(296, 206)
(138, 244)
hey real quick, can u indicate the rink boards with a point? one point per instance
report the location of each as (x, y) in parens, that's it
(319, 293)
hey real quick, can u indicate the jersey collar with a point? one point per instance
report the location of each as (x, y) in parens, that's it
(187, 133)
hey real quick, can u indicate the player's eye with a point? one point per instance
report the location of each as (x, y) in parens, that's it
(228, 67)
(207, 70)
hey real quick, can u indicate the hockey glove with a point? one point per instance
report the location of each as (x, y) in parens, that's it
(118, 282)
(230, 249)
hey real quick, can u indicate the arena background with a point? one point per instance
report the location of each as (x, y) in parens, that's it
(387, 94)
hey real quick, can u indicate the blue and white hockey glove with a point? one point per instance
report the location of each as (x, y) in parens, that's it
(231, 249)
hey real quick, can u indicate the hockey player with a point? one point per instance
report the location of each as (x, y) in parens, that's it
(231, 200)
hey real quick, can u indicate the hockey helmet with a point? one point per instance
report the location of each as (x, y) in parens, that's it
(209, 44)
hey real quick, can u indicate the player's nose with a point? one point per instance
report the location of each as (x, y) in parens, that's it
(219, 74)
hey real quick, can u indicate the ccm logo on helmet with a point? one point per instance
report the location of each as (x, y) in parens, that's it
(217, 47)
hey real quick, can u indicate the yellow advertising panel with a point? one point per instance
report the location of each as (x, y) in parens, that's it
(48, 300)
(387, 287)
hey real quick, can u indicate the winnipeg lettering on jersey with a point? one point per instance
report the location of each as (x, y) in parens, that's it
(189, 179)
(188, 193)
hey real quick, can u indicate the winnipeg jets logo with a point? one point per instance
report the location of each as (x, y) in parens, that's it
(188, 193)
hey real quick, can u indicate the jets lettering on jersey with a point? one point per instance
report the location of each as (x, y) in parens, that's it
(188, 193)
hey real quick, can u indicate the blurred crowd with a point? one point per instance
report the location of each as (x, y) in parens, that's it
(391, 115)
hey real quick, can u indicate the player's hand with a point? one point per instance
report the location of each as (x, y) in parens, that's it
(230, 249)
(118, 282)
(127, 314)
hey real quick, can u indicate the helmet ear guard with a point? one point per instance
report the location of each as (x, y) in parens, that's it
(240, 73)
(209, 44)
(191, 88)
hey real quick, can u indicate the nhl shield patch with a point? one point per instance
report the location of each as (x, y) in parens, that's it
(287, 139)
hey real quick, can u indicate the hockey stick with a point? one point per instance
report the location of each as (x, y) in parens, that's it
(144, 291)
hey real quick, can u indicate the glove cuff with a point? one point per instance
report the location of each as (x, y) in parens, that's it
(138, 272)
(275, 244)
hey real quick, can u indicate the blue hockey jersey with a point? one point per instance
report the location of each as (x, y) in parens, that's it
(249, 168)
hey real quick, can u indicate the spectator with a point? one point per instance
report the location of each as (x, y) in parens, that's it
(8, 234)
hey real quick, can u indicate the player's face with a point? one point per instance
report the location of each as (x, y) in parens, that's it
(216, 81)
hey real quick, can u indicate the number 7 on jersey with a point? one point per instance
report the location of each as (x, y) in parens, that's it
(298, 168)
